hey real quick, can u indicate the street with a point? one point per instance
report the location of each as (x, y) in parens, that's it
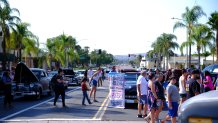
(29, 109)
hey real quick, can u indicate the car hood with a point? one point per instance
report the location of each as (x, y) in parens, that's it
(202, 105)
(24, 74)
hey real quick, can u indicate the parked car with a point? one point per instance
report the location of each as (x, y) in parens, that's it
(30, 82)
(70, 74)
(200, 109)
(79, 74)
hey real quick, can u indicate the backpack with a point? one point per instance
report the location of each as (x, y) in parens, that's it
(54, 80)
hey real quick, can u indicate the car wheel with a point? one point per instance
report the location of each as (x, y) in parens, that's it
(38, 94)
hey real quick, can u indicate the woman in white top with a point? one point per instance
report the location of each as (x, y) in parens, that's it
(94, 82)
(182, 85)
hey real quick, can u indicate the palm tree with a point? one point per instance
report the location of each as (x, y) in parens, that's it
(60, 47)
(189, 20)
(25, 39)
(164, 45)
(202, 35)
(213, 22)
(7, 22)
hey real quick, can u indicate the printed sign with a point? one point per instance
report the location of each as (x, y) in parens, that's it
(117, 90)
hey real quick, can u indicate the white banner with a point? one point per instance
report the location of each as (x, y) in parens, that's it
(117, 90)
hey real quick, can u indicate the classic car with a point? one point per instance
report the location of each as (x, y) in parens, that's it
(200, 109)
(130, 78)
(30, 82)
(69, 73)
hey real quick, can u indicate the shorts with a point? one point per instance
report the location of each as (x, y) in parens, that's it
(143, 99)
(174, 111)
(94, 82)
(183, 95)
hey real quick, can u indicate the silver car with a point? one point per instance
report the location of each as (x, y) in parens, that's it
(202, 108)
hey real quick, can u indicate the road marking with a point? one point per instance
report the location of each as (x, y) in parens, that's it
(99, 110)
(105, 108)
(19, 112)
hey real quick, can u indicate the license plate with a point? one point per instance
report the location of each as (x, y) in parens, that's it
(129, 101)
(200, 120)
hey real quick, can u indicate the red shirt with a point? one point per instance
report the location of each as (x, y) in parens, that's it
(83, 85)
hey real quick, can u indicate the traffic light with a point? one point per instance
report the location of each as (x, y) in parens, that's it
(99, 51)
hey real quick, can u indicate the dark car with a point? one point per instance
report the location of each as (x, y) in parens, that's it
(130, 87)
(69, 73)
(30, 82)
(200, 109)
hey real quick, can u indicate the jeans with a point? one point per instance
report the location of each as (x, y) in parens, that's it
(85, 95)
(58, 92)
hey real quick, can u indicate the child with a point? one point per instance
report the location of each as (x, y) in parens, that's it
(85, 89)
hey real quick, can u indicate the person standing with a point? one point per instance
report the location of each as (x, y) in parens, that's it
(160, 94)
(90, 73)
(59, 87)
(113, 69)
(94, 82)
(152, 98)
(182, 86)
(142, 88)
(7, 81)
(208, 84)
(173, 99)
(84, 90)
(194, 85)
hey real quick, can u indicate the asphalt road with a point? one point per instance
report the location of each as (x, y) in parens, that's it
(28, 109)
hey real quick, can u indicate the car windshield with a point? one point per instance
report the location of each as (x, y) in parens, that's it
(69, 72)
(131, 78)
(50, 74)
(37, 74)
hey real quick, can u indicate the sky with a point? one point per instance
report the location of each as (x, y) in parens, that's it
(120, 27)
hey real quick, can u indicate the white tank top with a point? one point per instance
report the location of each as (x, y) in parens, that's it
(181, 86)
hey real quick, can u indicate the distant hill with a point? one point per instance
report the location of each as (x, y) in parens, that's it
(125, 58)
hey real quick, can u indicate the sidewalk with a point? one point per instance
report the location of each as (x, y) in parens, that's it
(72, 121)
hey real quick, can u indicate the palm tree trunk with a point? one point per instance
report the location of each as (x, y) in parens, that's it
(216, 46)
(199, 62)
(4, 54)
(167, 63)
(189, 61)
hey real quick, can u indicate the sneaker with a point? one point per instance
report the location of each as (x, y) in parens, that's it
(139, 116)
(95, 100)
(90, 103)
(84, 104)
(54, 104)
(144, 116)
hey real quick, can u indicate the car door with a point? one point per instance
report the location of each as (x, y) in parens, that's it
(44, 79)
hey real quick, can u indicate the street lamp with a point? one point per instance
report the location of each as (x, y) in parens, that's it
(187, 58)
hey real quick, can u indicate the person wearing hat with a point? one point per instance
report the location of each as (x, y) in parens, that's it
(173, 99)
(142, 88)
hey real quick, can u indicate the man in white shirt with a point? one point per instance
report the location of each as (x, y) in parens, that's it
(142, 88)
(90, 73)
